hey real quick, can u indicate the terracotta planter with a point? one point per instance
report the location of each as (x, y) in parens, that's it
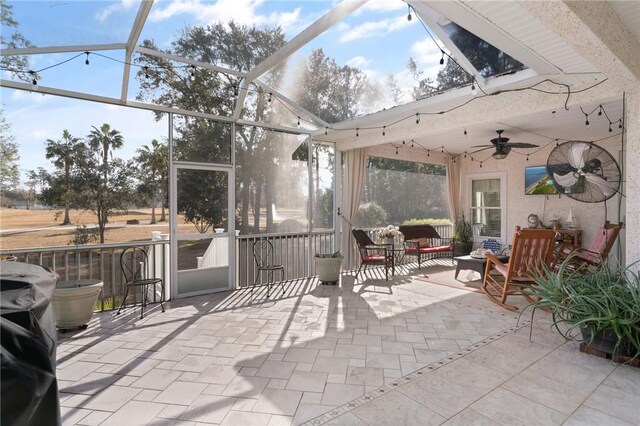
(328, 269)
(73, 302)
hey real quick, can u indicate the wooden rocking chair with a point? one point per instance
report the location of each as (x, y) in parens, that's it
(531, 249)
(598, 251)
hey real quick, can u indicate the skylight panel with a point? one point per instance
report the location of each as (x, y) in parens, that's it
(487, 59)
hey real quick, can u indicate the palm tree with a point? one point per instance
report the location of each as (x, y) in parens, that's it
(155, 160)
(104, 139)
(62, 153)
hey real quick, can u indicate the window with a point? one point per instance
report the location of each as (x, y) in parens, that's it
(396, 191)
(488, 205)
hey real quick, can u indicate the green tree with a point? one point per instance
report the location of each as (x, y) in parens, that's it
(196, 139)
(104, 140)
(154, 161)
(9, 157)
(10, 38)
(109, 190)
(62, 154)
(332, 92)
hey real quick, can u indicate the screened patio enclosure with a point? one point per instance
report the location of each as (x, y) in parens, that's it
(272, 119)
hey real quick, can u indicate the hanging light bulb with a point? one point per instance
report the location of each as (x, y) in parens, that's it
(403, 142)
(428, 153)
(357, 132)
(610, 130)
(442, 59)
(270, 94)
(298, 120)
(417, 118)
(527, 157)
(409, 14)
(473, 87)
(34, 82)
(325, 130)
(481, 164)
(465, 132)
(586, 119)
(600, 111)
(383, 130)
(442, 150)
(146, 71)
(620, 125)
(465, 154)
(86, 61)
(192, 73)
(396, 150)
(412, 143)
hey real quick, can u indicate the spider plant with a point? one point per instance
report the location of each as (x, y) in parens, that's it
(599, 301)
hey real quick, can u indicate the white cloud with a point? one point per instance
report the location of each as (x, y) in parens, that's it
(427, 55)
(105, 12)
(240, 11)
(374, 28)
(358, 62)
(380, 6)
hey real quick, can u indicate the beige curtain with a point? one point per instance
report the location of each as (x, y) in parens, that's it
(453, 187)
(354, 176)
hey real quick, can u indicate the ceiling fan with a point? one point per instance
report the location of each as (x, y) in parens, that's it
(502, 148)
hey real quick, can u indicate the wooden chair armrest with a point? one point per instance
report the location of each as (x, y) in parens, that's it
(491, 258)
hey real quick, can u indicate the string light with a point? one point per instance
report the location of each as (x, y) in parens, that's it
(357, 132)
(527, 157)
(411, 143)
(384, 128)
(34, 82)
(586, 119)
(409, 14)
(481, 164)
(610, 130)
(192, 69)
(298, 120)
(428, 153)
(325, 130)
(465, 132)
(442, 59)
(270, 94)
(403, 142)
(465, 154)
(417, 118)
(396, 150)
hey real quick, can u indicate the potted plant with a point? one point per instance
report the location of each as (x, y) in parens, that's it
(328, 267)
(603, 302)
(462, 236)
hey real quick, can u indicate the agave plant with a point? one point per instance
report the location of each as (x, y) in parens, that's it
(599, 301)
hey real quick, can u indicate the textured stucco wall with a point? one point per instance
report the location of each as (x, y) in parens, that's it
(632, 189)
(519, 205)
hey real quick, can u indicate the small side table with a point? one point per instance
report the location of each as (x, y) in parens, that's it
(573, 236)
(474, 264)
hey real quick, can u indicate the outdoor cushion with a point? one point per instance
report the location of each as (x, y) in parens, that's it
(375, 257)
(600, 240)
(435, 249)
(423, 242)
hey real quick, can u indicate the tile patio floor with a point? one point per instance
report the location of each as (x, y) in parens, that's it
(404, 352)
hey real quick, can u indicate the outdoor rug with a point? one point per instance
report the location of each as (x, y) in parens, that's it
(444, 276)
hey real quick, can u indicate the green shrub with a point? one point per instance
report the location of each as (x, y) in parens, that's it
(371, 215)
(427, 221)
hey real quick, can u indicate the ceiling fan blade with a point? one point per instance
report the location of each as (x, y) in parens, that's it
(481, 149)
(576, 155)
(608, 188)
(481, 146)
(522, 145)
(567, 180)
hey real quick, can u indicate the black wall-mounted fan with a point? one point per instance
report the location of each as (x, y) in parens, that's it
(502, 147)
(584, 171)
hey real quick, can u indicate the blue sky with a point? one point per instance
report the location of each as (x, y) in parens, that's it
(377, 38)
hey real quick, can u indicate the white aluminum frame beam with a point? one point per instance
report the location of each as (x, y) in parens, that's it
(63, 49)
(138, 25)
(144, 106)
(312, 31)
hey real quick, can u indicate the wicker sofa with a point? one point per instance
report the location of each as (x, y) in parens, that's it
(424, 242)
